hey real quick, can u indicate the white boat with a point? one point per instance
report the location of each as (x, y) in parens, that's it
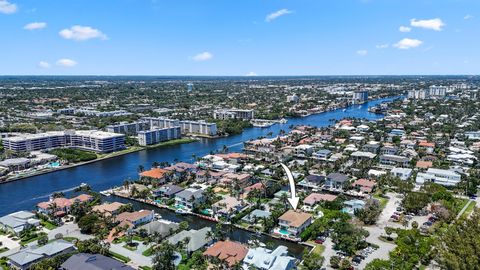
(181, 211)
(344, 110)
(283, 121)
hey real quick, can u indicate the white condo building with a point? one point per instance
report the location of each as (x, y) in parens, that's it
(224, 114)
(154, 136)
(186, 127)
(92, 140)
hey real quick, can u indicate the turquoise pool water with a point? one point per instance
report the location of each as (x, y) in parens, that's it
(283, 231)
(54, 164)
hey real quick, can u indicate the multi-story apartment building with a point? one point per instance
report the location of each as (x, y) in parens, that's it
(359, 97)
(186, 127)
(224, 114)
(154, 136)
(129, 129)
(93, 140)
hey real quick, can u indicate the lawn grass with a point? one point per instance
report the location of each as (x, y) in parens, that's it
(48, 225)
(69, 239)
(383, 201)
(148, 252)
(469, 209)
(3, 249)
(131, 248)
(119, 257)
(318, 249)
(460, 203)
(145, 267)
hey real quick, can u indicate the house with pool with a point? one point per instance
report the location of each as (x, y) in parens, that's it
(292, 223)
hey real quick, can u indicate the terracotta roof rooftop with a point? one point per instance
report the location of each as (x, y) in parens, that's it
(229, 251)
(154, 173)
(295, 218)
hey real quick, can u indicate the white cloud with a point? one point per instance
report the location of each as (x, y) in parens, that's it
(382, 46)
(35, 26)
(80, 33)
(65, 62)
(204, 56)
(404, 29)
(251, 74)
(362, 52)
(408, 43)
(432, 24)
(272, 16)
(7, 7)
(468, 17)
(43, 64)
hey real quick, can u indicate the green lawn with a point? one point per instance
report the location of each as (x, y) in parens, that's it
(48, 225)
(318, 249)
(69, 239)
(383, 201)
(469, 209)
(148, 252)
(3, 249)
(131, 248)
(460, 203)
(119, 257)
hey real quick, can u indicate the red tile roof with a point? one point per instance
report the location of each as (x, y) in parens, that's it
(156, 173)
(229, 251)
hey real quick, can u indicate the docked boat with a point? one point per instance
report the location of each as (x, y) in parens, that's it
(283, 121)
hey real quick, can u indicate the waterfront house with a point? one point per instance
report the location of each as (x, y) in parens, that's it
(197, 239)
(85, 261)
(162, 227)
(61, 206)
(292, 223)
(167, 191)
(108, 209)
(189, 198)
(156, 174)
(25, 258)
(256, 215)
(336, 180)
(266, 259)
(136, 218)
(228, 251)
(227, 207)
(18, 222)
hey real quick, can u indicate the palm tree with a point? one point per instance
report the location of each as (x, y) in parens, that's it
(140, 168)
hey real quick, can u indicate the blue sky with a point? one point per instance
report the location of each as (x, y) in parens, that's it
(239, 37)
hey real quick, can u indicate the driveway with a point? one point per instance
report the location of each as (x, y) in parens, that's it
(328, 252)
(137, 259)
(70, 230)
(379, 229)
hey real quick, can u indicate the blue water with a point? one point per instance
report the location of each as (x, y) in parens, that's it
(25, 194)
